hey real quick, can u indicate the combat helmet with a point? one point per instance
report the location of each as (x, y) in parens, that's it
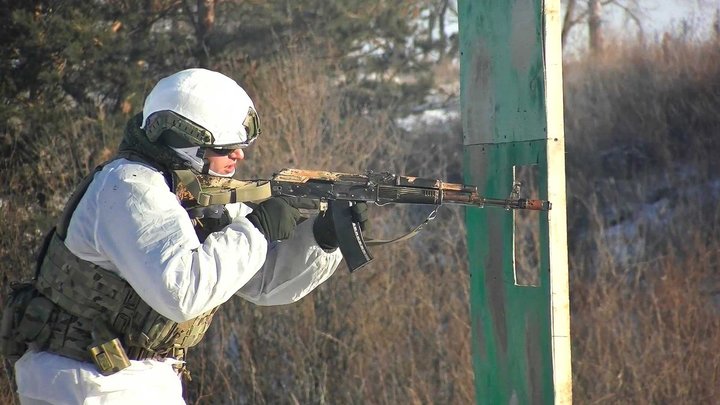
(198, 109)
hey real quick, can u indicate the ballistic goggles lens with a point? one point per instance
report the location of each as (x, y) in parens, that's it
(252, 127)
(223, 151)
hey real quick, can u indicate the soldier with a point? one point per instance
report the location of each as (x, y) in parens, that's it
(125, 284)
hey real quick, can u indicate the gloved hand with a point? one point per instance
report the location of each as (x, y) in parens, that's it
(209, 219)
(210, 211)
(275, 218)
(324, 226)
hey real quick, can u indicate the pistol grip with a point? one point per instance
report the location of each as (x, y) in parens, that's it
(349, 235)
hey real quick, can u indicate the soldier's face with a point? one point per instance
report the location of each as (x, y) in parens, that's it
(224, 163)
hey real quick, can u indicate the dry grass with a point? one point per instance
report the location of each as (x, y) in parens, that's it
(642, 128)
(649, 334)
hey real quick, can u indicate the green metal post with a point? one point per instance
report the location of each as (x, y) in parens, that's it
(511, 106)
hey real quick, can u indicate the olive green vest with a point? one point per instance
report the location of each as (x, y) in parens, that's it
(82, 311)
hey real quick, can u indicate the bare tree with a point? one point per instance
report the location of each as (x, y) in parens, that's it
(202, 18)
(595, 34)
(437, 15)
(590, 13)
(568, 21)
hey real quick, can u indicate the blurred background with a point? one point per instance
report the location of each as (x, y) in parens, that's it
(351, 86)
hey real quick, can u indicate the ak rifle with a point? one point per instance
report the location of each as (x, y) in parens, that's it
(339, 191)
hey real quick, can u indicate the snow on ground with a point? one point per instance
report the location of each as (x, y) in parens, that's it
(438, 111)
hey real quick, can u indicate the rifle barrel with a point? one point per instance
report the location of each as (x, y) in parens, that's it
(472, 198)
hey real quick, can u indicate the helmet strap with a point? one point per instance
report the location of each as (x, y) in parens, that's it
(206, 162)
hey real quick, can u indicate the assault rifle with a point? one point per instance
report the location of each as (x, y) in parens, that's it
(340, 191)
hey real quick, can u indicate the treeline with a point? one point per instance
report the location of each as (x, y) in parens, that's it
(89, 64)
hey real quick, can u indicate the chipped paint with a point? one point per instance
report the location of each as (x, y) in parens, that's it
(508, 109)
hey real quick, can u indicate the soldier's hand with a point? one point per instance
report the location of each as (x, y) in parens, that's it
(360, 214)
(324, 226)
(207, 220)
(275, 218)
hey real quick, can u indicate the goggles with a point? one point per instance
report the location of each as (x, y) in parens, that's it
(252, 127)
(221, 151)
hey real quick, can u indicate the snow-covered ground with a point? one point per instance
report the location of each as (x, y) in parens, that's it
(438, 111)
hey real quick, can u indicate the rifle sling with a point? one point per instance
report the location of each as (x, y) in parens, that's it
(245, 192)
(413, 232)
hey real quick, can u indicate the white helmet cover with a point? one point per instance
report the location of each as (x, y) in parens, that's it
(209, 99)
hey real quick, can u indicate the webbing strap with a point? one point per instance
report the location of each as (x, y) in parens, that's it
(227, 190)
(74, 200)
(80, 190)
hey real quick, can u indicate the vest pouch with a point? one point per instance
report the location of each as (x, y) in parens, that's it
(12, 346)
(35, 325)
(109, 357)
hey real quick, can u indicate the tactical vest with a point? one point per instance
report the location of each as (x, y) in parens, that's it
(79, 310)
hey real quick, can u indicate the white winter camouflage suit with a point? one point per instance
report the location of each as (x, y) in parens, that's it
(130, 222)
